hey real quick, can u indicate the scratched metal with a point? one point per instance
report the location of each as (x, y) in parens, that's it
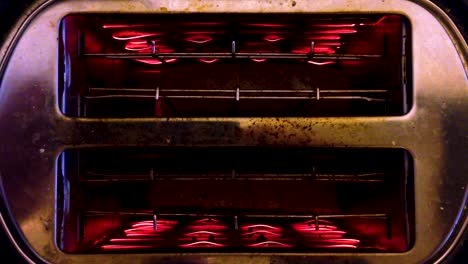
(33, 131)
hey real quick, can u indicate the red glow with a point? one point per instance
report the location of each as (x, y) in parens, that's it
(260, 227)
(161, 49)
(335, 25)
(342, 241)
(336, 31)
(142, 234)
(207, 220)
(308, 235)
(199, 39)
(203, 234)
(324, 50)
(270, 244)
(147, 229)
(272, 38)
(265, 233)
(130, 34)
(380, 20)
(203, 244)
(321, 63)
(137, 46)
(150, 61)
(120, 247)
(127, 25)
(170, 60)
(317, 49)
(313, 221)
(308, 226)
(330, 44)
(208, 60)
(208, 227)
(335, 246)
(268, 25)
(151, 222)
(132, 240)
(330, 37)
(323, 233)
(259, 60)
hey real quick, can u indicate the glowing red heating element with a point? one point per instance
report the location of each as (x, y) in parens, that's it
(273, 38)
(155, 61)
(208, 60)
(206, 237)
(199, 39)
(334, 25)
(202, 244)
(141, 235)
(320, 62)
(264, 236)
(208, 224)
(335, 31)
(317, 49)
(270, 244)
(323, 234)
(130, 34)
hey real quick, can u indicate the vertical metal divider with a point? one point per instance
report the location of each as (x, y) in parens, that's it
(404, 67)
(406, 187)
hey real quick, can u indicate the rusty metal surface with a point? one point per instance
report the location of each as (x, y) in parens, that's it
(33, 131)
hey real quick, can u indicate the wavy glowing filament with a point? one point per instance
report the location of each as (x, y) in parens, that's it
(141, 234)
(208, 60)
(335, 246)
(273, 38)
(320, 63)
(260, 226)
(335, 25)
(130, 34)
(270, 244)
(339, 241)
(124, 247)
(203, 233)
(307, 226)
(266, 233)
(313, 232)
(134, 240)
(150, 61)
(207, 220)
(259, 60)
(207, 227)
(335, 31)
(199, 39)
(203, 244)
(151, 222)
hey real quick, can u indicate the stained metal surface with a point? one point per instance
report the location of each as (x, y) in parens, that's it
(33, 131)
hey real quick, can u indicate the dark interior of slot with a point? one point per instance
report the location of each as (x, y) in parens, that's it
(234, 65)
(211, 199)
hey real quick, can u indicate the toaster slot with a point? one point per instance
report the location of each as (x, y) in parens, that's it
(235, 200)
(235, 65)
